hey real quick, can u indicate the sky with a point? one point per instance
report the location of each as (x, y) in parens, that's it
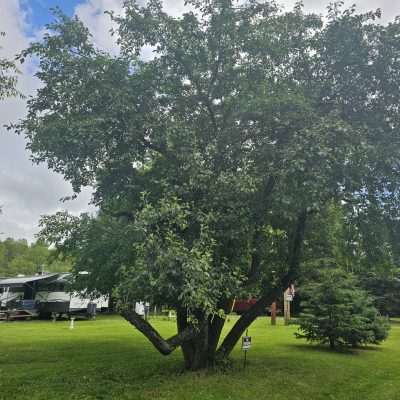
(28, 191)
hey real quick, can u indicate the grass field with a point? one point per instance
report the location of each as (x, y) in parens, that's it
(108, 359)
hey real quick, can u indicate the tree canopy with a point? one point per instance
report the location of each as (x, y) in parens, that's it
(208, 159)
(19, 257)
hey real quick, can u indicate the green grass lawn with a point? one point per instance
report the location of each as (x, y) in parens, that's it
(108, 359)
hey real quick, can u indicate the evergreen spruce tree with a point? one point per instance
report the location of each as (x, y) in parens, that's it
(337, 312)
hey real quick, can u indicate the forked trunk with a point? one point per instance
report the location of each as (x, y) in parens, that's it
(199, 342)
(200, 352)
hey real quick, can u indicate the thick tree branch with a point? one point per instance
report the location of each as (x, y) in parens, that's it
(188, 347)
(241, 325)
(215, 326)
(295, 250)
(255, 257)
(260, 211)
(165, 347)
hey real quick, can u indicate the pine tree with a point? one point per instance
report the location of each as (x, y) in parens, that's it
(337, 312)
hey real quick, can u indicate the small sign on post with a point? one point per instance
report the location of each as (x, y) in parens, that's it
(246, 344)
(289, 297)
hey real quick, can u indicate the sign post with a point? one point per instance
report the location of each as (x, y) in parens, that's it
(246, 344)
(288, 295)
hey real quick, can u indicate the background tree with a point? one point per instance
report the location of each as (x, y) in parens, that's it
(19, 257)
(208, 160)
(360, 241)
(337, 312)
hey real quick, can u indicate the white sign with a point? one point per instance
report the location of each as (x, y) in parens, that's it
(289, 297)
(246, 343)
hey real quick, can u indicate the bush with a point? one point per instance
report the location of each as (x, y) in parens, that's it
(337, 312)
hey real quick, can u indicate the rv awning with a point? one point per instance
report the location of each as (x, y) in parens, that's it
(23, 280)
(64, 278)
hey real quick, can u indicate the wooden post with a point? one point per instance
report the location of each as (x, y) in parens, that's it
(285, 309)
(286, 305)
(287, 312)
(288, 295)
(273, 313)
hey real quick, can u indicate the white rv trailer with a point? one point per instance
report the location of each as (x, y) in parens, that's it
(18, 296)
(55, 297)
(48, 294)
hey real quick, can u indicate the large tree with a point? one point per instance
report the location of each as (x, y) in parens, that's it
(207, 160)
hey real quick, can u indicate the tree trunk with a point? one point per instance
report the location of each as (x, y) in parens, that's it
(200, 352)
(215, 326)
(201, 347)
(188, 348)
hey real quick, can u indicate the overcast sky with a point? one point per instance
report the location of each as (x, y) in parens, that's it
(28, 191)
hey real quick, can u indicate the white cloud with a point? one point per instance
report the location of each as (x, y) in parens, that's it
(175, 7)
(99, 23)
(26, 190)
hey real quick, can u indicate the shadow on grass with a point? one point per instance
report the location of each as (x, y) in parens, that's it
(342, 350)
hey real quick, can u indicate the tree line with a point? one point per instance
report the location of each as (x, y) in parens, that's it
(19, 257)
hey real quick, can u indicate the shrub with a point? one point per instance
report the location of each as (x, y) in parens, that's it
(337, 312)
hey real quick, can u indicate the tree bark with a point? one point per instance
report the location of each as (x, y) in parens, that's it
(215, 326)
(164, 346)
(200, 359)
(188, 348)
(295, 250)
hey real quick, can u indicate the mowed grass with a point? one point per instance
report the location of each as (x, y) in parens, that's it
(108, 359)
